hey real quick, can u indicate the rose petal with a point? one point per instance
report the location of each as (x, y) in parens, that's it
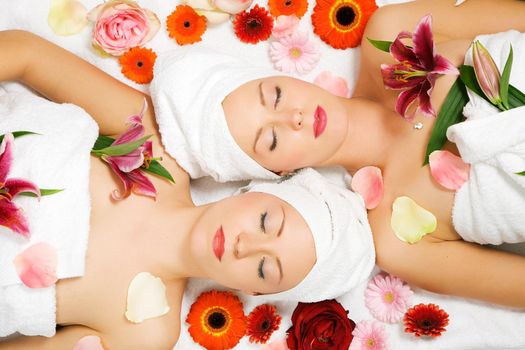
(214, 16)
(459, 2)
(36, 265)
(449, 170)
(90, 342)
(334, 84)
(13, 217)
(411, 222)
(368, 182)
(67, 17)
(6, 157)
(276, 345)
(232, 6)
(146, 298)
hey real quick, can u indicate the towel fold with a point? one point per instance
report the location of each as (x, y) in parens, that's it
(489, 207)
(57, 158)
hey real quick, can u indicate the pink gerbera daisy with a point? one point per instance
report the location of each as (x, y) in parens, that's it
(295, 53)
(369, 335)
(387, 298)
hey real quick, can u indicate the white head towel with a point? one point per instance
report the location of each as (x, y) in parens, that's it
(187, 92)
(343, 239)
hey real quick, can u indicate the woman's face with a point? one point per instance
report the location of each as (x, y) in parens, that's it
(254, 242)
(286, 124)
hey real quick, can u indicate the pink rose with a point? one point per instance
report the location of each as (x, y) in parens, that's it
(121, 25)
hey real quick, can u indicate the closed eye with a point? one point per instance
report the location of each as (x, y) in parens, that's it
(263, 218)
(277, 97)
(260, 269)
(274, 141)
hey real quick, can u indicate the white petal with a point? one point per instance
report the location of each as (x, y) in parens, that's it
(146, 298)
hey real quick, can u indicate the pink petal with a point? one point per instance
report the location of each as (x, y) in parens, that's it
(403, 53)
(125, 181)
(405, 99)
(132, 134)
(425, 105)
(424, 42)
(36, 266)
(276, 345)
(128, 162)
(444, 66)
(368, 182)
(334, 84)
(141, 184)
(6, 157)
(15, 186)
(148, 148)
(391, 81)
(448, 169)
(13, 217)
(90, 342)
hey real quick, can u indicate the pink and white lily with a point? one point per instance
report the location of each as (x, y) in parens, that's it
(11, 216)
(128, 167)
(418, 68)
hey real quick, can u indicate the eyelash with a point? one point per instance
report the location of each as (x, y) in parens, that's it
(274, 141)
(277, 97)
(263, 218)
(260, 270)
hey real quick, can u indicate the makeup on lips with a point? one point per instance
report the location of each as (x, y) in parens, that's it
(319, 121)
(218, 243)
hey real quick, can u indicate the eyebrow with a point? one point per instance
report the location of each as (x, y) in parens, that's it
(258, 134)
(279, 265)
(261, 96)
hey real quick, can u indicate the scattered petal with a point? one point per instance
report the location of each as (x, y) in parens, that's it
(67, 17)
(276, 345)
(459, 2)
(284, 26)
(368, 182)
(146, 298)
(449, 170)
(90, 342)
(332, 83)
(411, 222)
(36, 265)
(232, 6)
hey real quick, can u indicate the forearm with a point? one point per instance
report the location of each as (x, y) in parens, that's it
(15, 48)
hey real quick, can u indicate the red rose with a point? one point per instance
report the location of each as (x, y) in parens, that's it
(321, 325)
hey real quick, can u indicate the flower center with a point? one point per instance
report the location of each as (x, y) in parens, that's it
(295, 52)
(253, 23)
(345, 15)
(140, 64)
(265, 325)
(370, 342)
(216, 320)
(187, 24)
(389, 297)
(288, 3)
(427, 324)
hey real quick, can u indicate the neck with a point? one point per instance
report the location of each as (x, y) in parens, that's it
(372, 132)
(166, 244)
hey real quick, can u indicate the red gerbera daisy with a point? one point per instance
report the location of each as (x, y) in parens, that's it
(254, 26)
(137, 64)
(262, 322)
(425, 320)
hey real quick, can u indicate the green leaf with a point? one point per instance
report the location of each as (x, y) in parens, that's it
(43, 192)
(380, 44)
(516, 97)
(157, 169)
(103, 142)
(522, 173)
(468, 77)
(504, 82)
(451, 113)
(18, 134)
(122, 149)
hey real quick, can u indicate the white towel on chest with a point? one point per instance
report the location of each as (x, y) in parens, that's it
(57, 158)
(490, 207)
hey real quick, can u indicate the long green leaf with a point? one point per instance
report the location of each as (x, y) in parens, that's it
(381, 44)
(122, 149)
(522, 173)
(451, 113)
(103, 142)
(516, 97)
(157, 169)
(43, 192)
(468, 77)
(18, 134)
(504, 82)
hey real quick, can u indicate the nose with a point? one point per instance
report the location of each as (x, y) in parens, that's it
(294, 118)
(247, 244)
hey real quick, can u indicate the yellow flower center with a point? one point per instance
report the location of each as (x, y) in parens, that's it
(216, 321)
(370, 342)
(389, 297)
(295, 52)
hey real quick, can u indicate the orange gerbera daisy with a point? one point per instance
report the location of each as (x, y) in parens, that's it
(217, 320)
(137, 64)
(288, 7)
(341, 23)
(185, 25)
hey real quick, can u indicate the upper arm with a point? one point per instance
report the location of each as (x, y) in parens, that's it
(455, 268)
(64, 77)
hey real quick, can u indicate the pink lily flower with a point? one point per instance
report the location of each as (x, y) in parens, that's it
(11, 216)
(128, 167)
(417, 70)
(487, 73)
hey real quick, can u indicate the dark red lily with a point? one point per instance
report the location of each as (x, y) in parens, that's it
(11, 216)
(418, 68)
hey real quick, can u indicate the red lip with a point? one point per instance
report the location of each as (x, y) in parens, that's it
(320, 121)
(218, 243)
